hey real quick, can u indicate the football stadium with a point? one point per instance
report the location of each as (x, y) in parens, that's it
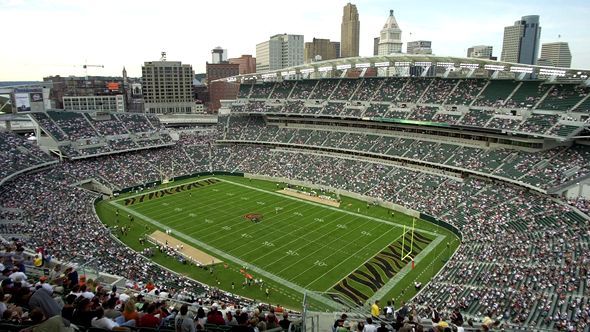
(450, 189)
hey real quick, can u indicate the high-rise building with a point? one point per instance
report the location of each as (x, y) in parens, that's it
(390, 39)
(556, 54)
(349, 32)
(337, 48)
(218, 55)
(280, 51)
(246, 62)
(419, 47)
(376, 46)
(480, 51)
(167, 87)
(221, 90)
(521, 41)
(319, 49)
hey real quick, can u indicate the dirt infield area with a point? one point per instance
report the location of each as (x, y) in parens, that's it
(190, 252)
(310, 198)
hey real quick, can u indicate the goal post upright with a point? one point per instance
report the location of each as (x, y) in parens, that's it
(408, 254)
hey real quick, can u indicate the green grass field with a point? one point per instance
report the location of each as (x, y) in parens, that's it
(352, 254)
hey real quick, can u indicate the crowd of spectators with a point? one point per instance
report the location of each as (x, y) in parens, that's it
(83, 134)
(515, 262)
(18, 153)
(66, 299)
(424, 92)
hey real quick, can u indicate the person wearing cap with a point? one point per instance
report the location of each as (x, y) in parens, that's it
(43, 284)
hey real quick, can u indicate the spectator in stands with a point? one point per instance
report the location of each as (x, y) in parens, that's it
(285, 322)
(375, 309)
(42, 299)
(182, 322)
(369, 326)
(215, 316)
(149, 318)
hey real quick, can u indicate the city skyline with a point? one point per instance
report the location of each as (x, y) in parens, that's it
(115, 34)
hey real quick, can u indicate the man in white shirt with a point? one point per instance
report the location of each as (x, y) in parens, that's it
(182, 322)
(369, 327)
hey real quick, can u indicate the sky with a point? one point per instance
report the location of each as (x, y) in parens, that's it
(51, 37)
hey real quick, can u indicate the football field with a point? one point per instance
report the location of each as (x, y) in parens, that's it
(302, 245)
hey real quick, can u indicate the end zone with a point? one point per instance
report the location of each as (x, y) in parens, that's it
(189, 252)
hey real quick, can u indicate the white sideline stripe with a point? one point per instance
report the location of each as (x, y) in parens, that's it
(377, 295)
(324, 300)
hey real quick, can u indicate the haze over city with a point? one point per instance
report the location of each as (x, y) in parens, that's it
(58, 37)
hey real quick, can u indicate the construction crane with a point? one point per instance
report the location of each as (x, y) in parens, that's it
(85, 66)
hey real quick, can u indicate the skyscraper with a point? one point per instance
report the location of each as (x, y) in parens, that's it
(376, 46)
(521, 41)
(321, 49)
(480, 51)
(279, 51)
(349, 32)
(168, 87)
(390, 37)
(556, 54)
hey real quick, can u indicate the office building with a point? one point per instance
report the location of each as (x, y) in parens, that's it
(221, 90)
(167, 87)
(247, 64)
(110, 103)
(349, 32)
(82, 86)
(280, 51)
(376, 46)
(480, 52)
(556, 54)
(390, 37)
(521, 41)
(218, 55)
(419, 47)
(319, 49)
(337, 48)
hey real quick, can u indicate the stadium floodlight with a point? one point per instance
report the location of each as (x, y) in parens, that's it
(495, 67)
(342, 67)
(326, 68)
(382, 64)
(469, 65)
(516, 69)
(423, 64)
(552, 72)
(362, 65)
(401, 64)
(445, 64)
(307, 70)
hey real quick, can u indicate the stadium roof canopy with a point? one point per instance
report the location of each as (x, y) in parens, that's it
(431, 65)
